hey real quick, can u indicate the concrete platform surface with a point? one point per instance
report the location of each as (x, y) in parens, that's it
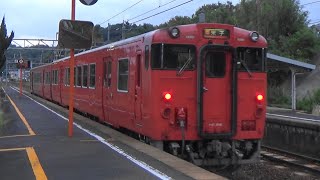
(34, 144)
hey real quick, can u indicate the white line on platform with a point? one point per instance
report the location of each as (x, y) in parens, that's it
(142, 164)
(293, 117)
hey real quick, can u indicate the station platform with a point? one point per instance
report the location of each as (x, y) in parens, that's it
(290, 114)
(34, 144)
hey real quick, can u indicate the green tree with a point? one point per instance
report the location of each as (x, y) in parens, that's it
(5, 41)
(217, 13)
(97, 35)
(177, 20)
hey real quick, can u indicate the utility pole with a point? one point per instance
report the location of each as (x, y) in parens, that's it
(122, 30)
(108, 33)
(71, 87)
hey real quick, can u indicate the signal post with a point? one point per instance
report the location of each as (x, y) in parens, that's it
(74, 35)
(22, 64)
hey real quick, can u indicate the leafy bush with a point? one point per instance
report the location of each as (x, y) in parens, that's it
(278, 96)
(307, 103)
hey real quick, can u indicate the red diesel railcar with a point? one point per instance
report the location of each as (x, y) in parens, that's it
(195, 90)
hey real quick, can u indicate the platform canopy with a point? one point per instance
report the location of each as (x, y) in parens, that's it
(275, 62)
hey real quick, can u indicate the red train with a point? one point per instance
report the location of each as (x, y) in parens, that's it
(195, 90)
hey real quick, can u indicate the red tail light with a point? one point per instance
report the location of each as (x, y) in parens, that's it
(167, 96)
(260, 97)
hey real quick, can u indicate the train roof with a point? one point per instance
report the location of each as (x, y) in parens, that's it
(107, 46)
(239, 31)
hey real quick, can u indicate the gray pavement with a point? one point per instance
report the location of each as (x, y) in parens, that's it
(61, 157)
(98, 153)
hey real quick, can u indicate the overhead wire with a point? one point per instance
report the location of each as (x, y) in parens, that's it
(151, 10)
(315, 22)
(121, 12)
(162, 12)
(310, 3)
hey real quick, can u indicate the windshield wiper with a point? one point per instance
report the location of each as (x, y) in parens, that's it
(185, 65)
(244, 64)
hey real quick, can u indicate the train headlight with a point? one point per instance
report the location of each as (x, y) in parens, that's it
(174, 32)
(254, 36)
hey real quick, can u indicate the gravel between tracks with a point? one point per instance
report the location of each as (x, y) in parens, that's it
(268, 170)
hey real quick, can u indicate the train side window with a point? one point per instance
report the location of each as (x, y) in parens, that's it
(54, 72)
(109, 74)
(53, 76)
(123, 72)
(85, 76)
(92, 77)
(79, 77)
(57, 77)
(67, 77)
(146, 57)
(215, 64)
(47, 78)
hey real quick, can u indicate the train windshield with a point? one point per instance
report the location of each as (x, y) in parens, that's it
(251, 59)
(173, 56)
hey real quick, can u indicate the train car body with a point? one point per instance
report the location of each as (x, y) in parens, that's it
(194, 90)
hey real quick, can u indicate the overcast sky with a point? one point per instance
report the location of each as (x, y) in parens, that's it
(40, 18)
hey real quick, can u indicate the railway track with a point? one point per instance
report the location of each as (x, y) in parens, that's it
(304, 162)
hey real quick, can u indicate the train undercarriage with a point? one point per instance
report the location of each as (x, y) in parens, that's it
(217, 152)
(209, 153)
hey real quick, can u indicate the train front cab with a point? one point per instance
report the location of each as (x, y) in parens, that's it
(210, 96)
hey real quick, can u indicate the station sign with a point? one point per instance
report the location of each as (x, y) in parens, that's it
(75, 34)
(22, 64)
(88, 2)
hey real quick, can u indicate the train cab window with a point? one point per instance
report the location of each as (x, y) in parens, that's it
(85, 76)
(215, 64)
(146, 57)
(252, 59)
(173, 56)
(79, 77)
(92, 76)
(123, 72)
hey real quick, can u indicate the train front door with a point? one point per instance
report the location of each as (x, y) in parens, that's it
(216, 92)
(137, 106)
(107, 93)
